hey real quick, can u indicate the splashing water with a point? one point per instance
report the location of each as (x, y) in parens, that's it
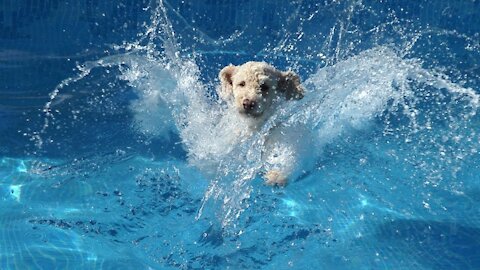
(386, 144)
(378, 90)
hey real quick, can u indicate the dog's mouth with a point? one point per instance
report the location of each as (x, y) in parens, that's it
(251, 113)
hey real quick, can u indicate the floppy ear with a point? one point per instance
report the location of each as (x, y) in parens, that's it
(226, 87)
(289, 83)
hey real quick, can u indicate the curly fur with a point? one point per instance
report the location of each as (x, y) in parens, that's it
(253, 88)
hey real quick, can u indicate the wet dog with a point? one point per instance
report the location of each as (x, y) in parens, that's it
(254, 90)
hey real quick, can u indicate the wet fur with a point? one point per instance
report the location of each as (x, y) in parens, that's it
(264, 85)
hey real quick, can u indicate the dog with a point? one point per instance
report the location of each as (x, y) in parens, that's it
(256, 90)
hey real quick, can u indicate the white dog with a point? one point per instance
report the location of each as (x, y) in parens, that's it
(256, 90)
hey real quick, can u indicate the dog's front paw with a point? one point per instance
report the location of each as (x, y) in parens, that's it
(275, 178)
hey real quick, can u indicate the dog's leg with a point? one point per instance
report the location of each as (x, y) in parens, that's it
(275, 178)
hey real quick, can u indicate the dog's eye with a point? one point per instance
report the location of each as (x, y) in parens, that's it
(264, 87)
(241, 84)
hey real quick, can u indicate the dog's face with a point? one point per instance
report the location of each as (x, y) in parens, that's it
(253, 87)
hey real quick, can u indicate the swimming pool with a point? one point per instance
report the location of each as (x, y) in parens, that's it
(115, 154)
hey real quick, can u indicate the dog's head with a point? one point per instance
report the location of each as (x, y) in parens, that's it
(254, 86)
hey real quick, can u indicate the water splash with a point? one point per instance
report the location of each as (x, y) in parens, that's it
(378, 88)
(352, 97)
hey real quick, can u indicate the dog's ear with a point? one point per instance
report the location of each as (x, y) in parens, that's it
(289, 83)
(225, 75)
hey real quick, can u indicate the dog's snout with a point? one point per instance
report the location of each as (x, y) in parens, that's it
(248, 104)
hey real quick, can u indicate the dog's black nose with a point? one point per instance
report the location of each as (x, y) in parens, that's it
(248, 104)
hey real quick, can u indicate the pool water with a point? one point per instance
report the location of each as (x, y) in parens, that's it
(116, 153)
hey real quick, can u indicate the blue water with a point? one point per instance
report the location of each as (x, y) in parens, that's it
(115, 152)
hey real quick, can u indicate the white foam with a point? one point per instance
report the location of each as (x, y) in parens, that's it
(153, 111)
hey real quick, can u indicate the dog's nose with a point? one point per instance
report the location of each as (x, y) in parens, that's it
(248, 104)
